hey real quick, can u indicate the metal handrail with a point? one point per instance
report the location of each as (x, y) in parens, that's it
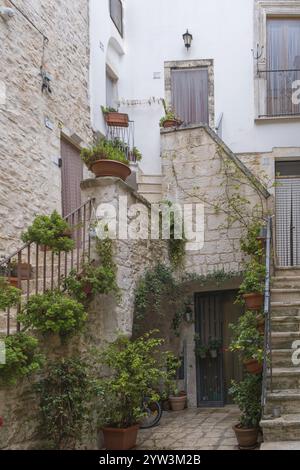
(267, 363)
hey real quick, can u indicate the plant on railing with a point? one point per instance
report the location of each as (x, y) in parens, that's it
(22, 358)
(66, 392)
(103, 150)
(248, 342)
(50, 231)
(247, 395)
(9, 296)
(201, 349)
(53, 312)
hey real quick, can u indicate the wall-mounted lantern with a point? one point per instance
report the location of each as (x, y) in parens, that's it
(187, 37)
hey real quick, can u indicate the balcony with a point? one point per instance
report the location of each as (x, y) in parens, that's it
(277, 88)
(123, 136)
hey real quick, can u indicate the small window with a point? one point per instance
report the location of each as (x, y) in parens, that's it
(288, 168)
(116, 14)
(111, 91)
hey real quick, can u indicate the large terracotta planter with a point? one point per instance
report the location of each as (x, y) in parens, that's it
(253, 366)
(117, 119)
(110, 168)
(247, 438)
(254, 301)
(178, 403)
(120, 439)
(171, 123)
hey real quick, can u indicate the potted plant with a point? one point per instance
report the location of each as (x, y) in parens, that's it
(177, 399)
(214, 346)
(201, 350)
(261, 324)
(137, 369)
(50, 231)
(105, 158)
(252, 286)
(247, 395)
(113, 118)
(248, 342)
(135, 155)
(53, 312)
(170, 120)
(251, 243)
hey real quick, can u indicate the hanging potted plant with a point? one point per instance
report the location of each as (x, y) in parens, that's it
(201, 350)
(252, 286)
(113, 118)
(248, 342)
(137, 369)
(106, 158)
(247, 395)
(214, 346)
(51, 232)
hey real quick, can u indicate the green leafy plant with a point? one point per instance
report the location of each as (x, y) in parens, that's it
(52, 231)
(9, 296)
(66, 392)
(108, 109)
(214, 344)
(53, 312)
(246, 338)
(250, 244)
(137, 154)
(247, 395)
(103, 150)
(254, 278)
(201, 349)
(137, 368)
(22, 358)
(169, 116)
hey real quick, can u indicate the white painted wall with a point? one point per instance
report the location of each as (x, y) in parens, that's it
(223, 30)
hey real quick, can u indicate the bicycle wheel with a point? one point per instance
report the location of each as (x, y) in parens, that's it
(153, 412)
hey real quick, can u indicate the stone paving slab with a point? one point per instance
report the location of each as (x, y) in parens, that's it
(192, 429)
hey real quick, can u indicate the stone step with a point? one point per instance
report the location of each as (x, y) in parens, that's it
(285, 295)
(282, 282)
(145, 188)
(280, 445)
(153, 198)
(284, 340)
(287, 426)
(287, 400)
(285, 324)
(149, 179)
(285, 378)
(281, 309)
(282, 271)
(282, 357)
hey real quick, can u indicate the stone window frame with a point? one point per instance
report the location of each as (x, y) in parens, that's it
(264, 9)
(192, 64)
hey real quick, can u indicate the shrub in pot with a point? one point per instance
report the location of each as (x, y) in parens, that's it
(177, 399)
(22, 358)
(53, 312)
(248, 342)
(50, 231)
(106, 158)
(9, 296)
(252, 286)
(137, 368)
(247, 395)
(170, 120)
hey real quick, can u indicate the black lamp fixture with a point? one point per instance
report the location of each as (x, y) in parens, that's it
(187, 37)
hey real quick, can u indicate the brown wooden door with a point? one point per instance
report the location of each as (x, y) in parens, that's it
(72, 175)
(214, 312)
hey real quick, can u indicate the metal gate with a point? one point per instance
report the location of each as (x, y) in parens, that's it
(288, 221)
(209, 324)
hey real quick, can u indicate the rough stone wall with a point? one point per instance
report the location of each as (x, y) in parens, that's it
(193, 172)
(30, 180)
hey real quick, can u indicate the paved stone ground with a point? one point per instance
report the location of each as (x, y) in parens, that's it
(192, 429)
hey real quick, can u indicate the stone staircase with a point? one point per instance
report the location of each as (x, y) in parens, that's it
(150, 187)
(284, 432)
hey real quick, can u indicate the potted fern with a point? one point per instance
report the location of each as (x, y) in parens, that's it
(106, 158)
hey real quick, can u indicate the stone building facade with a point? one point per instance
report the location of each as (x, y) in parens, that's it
(53, 38)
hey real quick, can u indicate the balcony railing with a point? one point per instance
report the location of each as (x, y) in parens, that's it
(280, 93)
(116, 14)
(124, 137)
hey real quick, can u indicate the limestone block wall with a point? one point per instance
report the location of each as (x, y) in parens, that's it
(31, 122)
(193, 172)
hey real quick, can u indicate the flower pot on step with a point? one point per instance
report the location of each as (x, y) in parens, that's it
(247, 438)
(110, 168)
(171, 123)
(115, 119)
(120, 439)
(177, 403)
(254, 300)
(253, 366)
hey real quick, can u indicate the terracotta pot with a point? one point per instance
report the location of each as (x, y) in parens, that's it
(13, 281)
(254, 300)
(45, 248)
(88, 289)
(166, 405)
(247, 438)
(184, 394)
(177, 403)
(24, 270)
(253, 366)
(110, 168)
(117, 119)
(120, 439)
(171, 123)
(261, 325)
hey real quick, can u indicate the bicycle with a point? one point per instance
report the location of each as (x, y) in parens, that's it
(153, 412)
